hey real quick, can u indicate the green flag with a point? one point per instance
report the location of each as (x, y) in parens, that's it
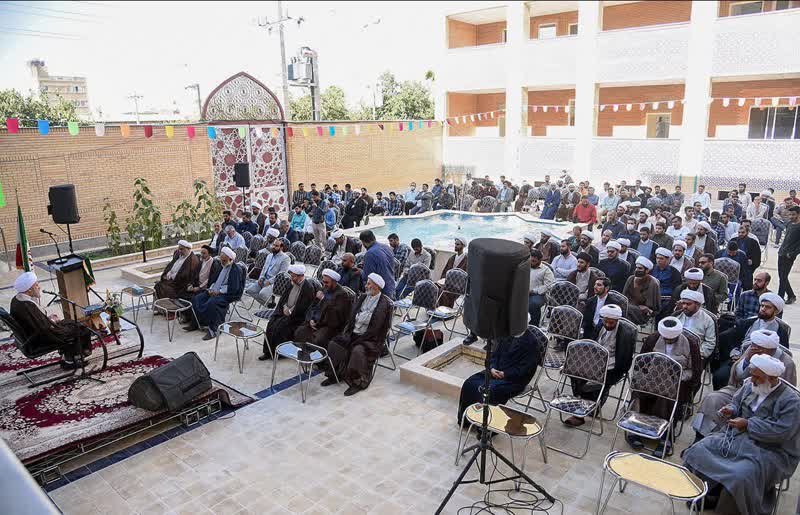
(2, 196)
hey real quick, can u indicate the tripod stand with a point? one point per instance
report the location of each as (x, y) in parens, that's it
(485, 446)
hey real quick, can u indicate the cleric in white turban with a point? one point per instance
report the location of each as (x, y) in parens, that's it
(338, 245)
(697, 320)
(459, 260)
(211, 306)
(693, 281)
(756, 443)
(290, 311)
(180, 273)
(328, 315)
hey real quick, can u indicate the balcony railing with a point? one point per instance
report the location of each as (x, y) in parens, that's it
(474, 68)
(546, 155)
(757, 44)
(480, 156)
(760, 163)
(550, 61)
(647, 53)
(617, 158)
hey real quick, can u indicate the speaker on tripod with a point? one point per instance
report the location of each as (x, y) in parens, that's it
(63, 204)
(241, 178)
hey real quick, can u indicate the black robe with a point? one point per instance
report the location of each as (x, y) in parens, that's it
(281, 328)
(43, 335)
(330, 319)
(187, 275)
(623, 358)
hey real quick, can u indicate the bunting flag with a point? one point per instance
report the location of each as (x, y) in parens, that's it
(357, 130)
(741, 102)
(23, 257)
(212, 133)
(289, 132)
(319, 131)
(13, 125)
(472, 117)
(2, 196)
(602, 107)
(242, 132)
(332, 130)
(479, 117)
(99, 130)
(305, 132)
(792, 101)
(757, 102)
(125, 130)
(726, 102)
(492, 113)
(169, 130)
(44, 127)
(190, 132)
(628, 107)
(566, 108)
(73, 128)
(429, 122)
(411, 126)
(419, 124)
(544, 108)
(400, 125)
(344, 130)
(451, 123)
(642, 107)
(775, 100)
(615, 107)
(655, 105)
(671, 104)
(148, 131)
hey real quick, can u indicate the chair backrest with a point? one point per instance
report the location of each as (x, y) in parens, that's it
(634, 253)
(315, 283)
(329, 244)
(298, 250)
(624, 321)
(760, 228)
(692, 336)
(455, 281)
(313, 255)
(325, 265)
(241, 254)
(282, 283)
(565, 321)
(728, 267)
(655, 373)
(782, 323)
(350, 295)
(256, 243)
(287, 245)
(397, 268)
(243, 274)
(488, 204)
(433, 256)
(541, 340)
(425, 294)
(563, 293)
(615, 297)
(20, 338)
(466, 202)
(416, 273)
(586, 359)
(261, 258)
(248, 237)
(598, 273)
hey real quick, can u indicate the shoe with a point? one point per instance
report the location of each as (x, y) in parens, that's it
(264, 357)
(264, 313)
(328, 382)
(191, 327)
(660, 449)
(470, 339)
(210, 335)
(574, 422)
(634, 441)
(352, 391)
(791, 300)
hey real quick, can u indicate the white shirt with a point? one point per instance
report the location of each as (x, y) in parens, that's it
(563, 266)
(690, 225)
(761, 213)
(677, 234)
(677, 264)
(236, 242)
(601, 301)
(731, 230)
(704, 199)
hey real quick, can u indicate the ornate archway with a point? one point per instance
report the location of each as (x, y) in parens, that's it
(244, 113)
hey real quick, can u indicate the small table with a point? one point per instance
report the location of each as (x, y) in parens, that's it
(170, 307)
(239, 331)
(306, 355)
(140, 298)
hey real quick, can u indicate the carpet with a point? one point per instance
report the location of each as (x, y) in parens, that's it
(56, 417)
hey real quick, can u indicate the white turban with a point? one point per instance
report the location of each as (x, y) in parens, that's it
(547, 232)
(641, 260)
(693, 295)
(377, 279)
(229, 252)
(611, 311)
(256, 205)
(462, 239)
(694, 274)
(624, 204)
(645, 211)
(184, 244)
(588, 234)
(769, 365)
(273, 232)
(25, 281)
(705, 225)
(680, 243)
(773, 299)
(338, 233)
(333, 275)
(634, 203)
(530, 237)
(661, 251)
(297, 269)
(625, 242)
(766, 194)
(670, 328)
(765, 339)
(614, 245)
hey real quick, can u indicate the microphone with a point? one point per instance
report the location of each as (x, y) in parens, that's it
(45, 232)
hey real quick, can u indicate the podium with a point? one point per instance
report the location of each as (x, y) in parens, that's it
(71, 284)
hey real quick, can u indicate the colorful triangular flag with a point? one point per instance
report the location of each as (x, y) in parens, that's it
(73, 128)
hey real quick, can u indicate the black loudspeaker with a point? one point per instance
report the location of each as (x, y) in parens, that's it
(241, 175)
(63, 204)
(496, 304)
(171, 386)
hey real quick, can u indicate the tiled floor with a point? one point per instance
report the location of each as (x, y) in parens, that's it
(389, 449)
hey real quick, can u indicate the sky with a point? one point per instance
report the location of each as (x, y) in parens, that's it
(155, 49)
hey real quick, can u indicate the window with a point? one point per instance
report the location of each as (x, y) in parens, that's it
(505, 35)
(573, 29)
(77, 89)
(658, 125)
(547, 31)
(741, 8)
(773, 123)
(571, 112)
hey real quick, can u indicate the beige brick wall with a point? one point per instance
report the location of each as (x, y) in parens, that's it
(643, 14)
(735, 115)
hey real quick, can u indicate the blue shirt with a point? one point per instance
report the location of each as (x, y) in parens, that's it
(410, 196)
(593, 199)
(664, 279)
(330, 218)
(436, 190)
(379, 259)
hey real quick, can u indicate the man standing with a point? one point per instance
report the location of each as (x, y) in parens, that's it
(211, 306)
(379, 259)
(787, 253)
(752, 250)
(328, 316)
(565, 263)
(276, 263)
(290, 312)
(179, 274)
(714, 279)
(703, 197)
(541, 279)
(318, 210)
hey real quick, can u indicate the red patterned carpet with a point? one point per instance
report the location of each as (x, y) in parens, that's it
(39, 422)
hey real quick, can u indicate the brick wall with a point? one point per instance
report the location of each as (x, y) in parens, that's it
(100, 168)
(490, 33)
(468, 103)
(607, 119)
(562, 21)
(735, 115)
(539, 121)
(643, 14)
(460, 34)
(376, 161)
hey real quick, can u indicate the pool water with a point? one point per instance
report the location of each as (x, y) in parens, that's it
(439, 230)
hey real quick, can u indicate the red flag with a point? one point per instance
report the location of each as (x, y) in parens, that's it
(319, 131)
(190, 132)
(289, 132)
(13, 125)
(148, 131)
(449, 122)
(401, 126)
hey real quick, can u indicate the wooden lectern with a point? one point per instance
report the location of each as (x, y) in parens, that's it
(71, 285)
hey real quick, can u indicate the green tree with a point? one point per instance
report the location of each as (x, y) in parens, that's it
(413, 101)
(301, 108)
(28, 109)
(334, 105)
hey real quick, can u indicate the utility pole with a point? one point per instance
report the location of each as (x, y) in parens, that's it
(286, 107)
(196, 87)
(135, 99)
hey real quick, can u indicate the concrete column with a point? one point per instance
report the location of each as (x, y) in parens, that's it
(697, 88)
(517, 18)
(589, 16)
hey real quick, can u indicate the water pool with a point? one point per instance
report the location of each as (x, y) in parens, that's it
(439, 229)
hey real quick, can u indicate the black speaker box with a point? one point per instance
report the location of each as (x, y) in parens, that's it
(496, 304)
(241, 175)
(63, 204)
(171, 386)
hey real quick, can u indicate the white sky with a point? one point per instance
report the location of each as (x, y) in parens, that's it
(157, 48)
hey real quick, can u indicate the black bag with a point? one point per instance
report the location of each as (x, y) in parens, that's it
(432, 338)
(171, 386)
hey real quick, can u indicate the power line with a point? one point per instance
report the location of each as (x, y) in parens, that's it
(3, 8)
(57, 11)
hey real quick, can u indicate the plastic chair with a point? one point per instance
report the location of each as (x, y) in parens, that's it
(298, 250)
(313, 257)
(615, 297)
(424, 297)
(455, 283)
(283, 282)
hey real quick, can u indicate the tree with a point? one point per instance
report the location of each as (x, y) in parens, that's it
(334, 105)
(413, 101)
(29, 109)
(301, 108)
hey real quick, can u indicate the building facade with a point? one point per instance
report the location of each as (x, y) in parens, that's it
(666, 91)
(71, 88)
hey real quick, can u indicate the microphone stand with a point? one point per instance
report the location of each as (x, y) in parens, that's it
(60, 260)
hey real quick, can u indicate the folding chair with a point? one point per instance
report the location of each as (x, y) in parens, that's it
(432, 252)
(283, 282)
(731, 269)
(621, 396)
(241, 256)
(761, 229)
(466, 202)
(418, 272)
(532, 390)
(313, 257)
(424, 297)
(248, 237)
(298, 250)
(325, 265)
(233, 307)
(455, 283)
(585, 360)
(256, 243)
(615, 297)
(656, 374)
(561, 293)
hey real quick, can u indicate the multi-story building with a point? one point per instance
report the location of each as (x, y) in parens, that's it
(70, 88)
(665, 91)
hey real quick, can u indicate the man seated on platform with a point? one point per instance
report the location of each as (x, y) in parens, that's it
(179, 274)
(698, 321)
(276, 263)
(585, 245)
(620, 340)
(233, 239)
(759, 446)
(349, 273)
(71, 339)
(290, 312)
(642, 291)
(247, 224)
(693, 280)
(340, 244)
(513, 365)
(354, 352)
(328, 315)
(211, 306)
(583, 277)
